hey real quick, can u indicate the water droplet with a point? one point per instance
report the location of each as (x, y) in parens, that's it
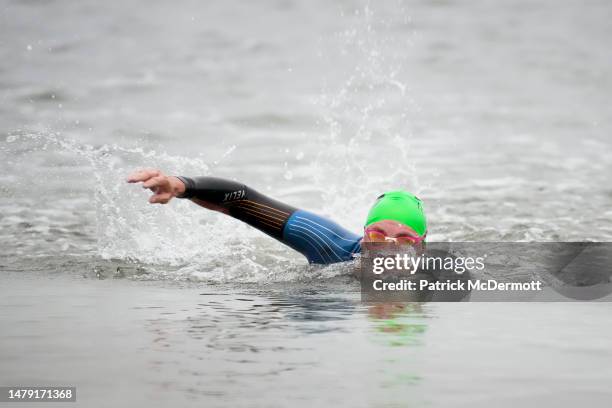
(288, 175)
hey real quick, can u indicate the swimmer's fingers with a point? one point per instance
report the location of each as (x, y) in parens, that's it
(160, 198)
(143, 175)
(157, 183)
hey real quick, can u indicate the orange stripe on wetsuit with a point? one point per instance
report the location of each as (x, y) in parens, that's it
(241, 202)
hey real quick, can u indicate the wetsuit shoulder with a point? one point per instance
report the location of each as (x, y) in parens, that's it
(320, 239)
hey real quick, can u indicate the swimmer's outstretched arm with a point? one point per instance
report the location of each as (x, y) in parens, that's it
(320, 240)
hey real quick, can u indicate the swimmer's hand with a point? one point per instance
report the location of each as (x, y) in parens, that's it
(164, 188)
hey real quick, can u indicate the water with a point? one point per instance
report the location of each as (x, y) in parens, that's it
(494, 114)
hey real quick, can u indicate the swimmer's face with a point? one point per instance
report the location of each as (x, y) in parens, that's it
(392, 229)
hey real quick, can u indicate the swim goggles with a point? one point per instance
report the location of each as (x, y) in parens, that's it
(377, 236)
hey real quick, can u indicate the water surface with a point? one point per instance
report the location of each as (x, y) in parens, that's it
(496, 115)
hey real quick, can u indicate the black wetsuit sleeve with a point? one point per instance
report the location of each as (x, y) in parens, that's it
(241, 202)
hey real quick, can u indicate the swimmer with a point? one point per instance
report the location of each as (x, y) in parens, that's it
(396, 216)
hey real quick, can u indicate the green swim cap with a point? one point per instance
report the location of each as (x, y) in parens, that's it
(399, 206)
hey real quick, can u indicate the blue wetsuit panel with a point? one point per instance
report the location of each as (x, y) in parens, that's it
(320, 240)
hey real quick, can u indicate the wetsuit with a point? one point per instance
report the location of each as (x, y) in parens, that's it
(320, 240)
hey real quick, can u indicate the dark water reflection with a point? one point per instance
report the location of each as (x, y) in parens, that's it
(159, 343)
(256, 337)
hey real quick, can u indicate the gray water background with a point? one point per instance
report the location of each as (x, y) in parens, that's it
(495, 113)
